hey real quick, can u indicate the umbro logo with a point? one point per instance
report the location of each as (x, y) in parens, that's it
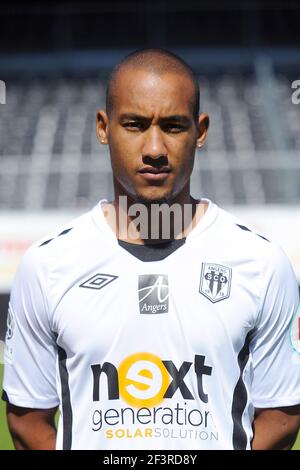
(98, 281)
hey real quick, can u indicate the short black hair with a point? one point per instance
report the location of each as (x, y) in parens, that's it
(158, 61)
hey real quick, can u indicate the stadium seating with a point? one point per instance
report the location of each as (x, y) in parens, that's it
(50, 157)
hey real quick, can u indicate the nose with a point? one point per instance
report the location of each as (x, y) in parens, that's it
(154, 145)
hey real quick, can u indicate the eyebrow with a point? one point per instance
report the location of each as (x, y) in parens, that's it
(174, 117)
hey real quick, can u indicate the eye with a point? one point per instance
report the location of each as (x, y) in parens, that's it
(174, 128)
(134, 125)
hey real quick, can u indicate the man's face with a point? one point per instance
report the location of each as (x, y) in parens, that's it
(152, 135)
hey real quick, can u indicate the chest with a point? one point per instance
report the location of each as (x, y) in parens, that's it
(198, 302)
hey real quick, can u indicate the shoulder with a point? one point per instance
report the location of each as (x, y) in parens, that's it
(240, 229)
(40, 256)
(244, 238)
(242, 235)
(74, 229)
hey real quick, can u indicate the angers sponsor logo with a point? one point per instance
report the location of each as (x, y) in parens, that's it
(215, 282)
(153, 293)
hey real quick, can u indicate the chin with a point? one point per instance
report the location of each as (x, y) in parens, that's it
(153, 198)
(148, 201)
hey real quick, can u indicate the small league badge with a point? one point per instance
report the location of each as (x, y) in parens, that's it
(215, 282)
(295, 331)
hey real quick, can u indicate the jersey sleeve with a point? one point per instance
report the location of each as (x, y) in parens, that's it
(30, 349)
(276, 362)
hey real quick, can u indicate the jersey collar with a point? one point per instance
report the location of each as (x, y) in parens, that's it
(203, 225)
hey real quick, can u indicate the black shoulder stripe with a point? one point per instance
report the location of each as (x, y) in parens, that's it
(264, 238)
(244, 228)
(64, 231)
(61, 233)
(248, 230)
(47, 241)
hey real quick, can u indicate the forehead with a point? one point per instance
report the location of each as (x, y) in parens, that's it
(148, 93)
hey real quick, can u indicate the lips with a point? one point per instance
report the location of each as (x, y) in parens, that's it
(153, 174)
(154, 170)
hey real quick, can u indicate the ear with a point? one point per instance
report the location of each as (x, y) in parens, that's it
(203, 125)
(102, 126)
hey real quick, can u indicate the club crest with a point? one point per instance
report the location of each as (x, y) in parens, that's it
(215, 281)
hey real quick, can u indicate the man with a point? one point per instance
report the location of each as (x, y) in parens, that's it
(146, 340)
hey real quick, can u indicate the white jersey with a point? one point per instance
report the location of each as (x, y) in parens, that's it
(174, 352)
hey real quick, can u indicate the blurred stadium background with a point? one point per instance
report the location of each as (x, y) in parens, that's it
(54, 62)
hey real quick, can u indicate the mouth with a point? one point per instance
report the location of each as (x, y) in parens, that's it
(151, 173)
